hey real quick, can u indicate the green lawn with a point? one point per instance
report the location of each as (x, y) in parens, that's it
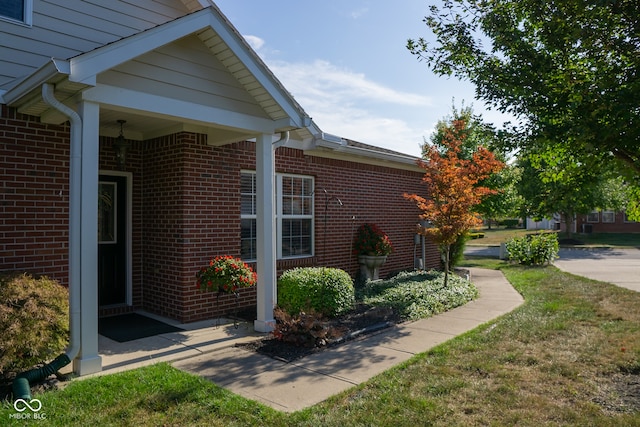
(568, 356)
(495, 236)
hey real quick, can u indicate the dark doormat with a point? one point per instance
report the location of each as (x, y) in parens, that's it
(132, 326)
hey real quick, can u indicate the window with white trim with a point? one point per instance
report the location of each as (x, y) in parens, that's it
(593, 216)
(294, 215)
(17, 10)
(608, 216)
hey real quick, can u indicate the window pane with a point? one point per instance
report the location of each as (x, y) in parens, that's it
(107, 212)
(608, 216)
(248, 194)
(248, 239)
(593, 216)
(12, 9)
(306, 206)
(308, 187)
(287, 185)
(286, 205)
(296, 237)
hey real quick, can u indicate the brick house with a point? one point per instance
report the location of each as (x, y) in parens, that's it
(606, 221)
(597, 221)
(220, 159)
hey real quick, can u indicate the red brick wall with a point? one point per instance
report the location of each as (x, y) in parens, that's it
(34, 195)
(192, 206)
(186, 209)
(619, 226)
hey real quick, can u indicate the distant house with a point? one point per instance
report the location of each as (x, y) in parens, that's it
(606, 221)
(597, 221)
(139, 139)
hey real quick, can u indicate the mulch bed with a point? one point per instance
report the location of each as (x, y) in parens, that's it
(360, 321)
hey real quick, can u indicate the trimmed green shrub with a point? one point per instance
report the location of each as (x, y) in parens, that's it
(328, 291)
(34, 320)
(537, 249)
(419, 294)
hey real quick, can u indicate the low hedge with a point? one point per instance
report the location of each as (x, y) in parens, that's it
(328, 291)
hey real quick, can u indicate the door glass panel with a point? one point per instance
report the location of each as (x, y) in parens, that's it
(107, 192)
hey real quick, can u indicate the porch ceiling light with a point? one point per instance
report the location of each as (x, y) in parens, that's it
(120, 146)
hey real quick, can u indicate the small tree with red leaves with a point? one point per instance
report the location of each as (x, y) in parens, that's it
(453, 189)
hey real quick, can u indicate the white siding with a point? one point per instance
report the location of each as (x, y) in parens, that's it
(66, 28)
(185, 70)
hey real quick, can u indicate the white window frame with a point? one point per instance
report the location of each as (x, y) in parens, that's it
(591, 220)
(606, 214)
(27, 14)
(250, 216)
(280, 215)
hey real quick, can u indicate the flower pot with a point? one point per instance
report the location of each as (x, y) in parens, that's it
(370, 265)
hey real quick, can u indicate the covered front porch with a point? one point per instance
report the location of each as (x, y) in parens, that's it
(185, 90)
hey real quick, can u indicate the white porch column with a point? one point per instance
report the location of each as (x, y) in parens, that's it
(266, 233)
(88, 360)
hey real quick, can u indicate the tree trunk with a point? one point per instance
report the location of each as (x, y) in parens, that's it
(446, 265)
(568, 219)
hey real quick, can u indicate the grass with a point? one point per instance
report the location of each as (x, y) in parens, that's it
(567, 356)
(495, 236)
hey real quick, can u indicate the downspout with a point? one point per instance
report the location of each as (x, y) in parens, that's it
(284, 138)
(22, 382)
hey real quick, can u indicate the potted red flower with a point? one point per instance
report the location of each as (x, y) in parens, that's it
(371, 245)
(225, 274)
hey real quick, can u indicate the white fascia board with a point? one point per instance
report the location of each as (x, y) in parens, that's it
(186, 111)
(44, 74)
(85, 67)
(363, 152)
(232, 38)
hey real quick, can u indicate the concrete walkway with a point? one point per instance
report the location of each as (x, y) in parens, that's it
(299, 384)
(208, 350)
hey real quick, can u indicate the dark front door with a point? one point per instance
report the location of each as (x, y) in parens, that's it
(112, 240)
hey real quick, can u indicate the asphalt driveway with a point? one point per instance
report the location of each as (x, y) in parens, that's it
(618, 266)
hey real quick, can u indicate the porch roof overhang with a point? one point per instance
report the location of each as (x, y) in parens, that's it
(76, 79)
(151, 115)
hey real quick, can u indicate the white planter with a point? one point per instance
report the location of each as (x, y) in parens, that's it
(370, 265)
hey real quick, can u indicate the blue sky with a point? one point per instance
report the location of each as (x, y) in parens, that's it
(346, 63)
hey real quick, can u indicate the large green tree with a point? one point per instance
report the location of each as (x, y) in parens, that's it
(558, 182)
(570, 69)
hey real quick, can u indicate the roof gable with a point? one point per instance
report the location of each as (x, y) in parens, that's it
(222, 40)
(246, 85)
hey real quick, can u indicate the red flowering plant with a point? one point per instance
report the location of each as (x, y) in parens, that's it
(371, 240)
(226, 274)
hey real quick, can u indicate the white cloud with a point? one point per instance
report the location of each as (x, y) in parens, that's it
(254, 41)
(355, 14)
(325, 80)
(346, 103)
